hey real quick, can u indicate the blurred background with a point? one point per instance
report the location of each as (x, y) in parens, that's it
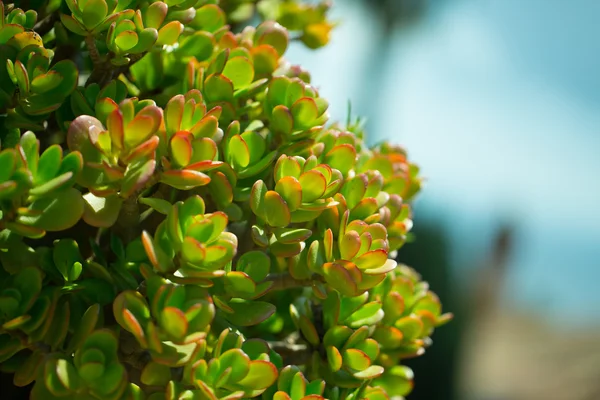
(498, 101)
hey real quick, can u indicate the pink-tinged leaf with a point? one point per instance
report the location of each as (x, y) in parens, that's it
(148, 244)
(205, 128)
(277, 212)
(113, 173)
(126, 40)
(388, 337)
(262, 374)
(174, 114)
(305, 112)
(104, 107)
(144, 150)
(240, 283)
(349, 245)
(313, 184)
(184, 179)
(372, 259)
(145, 123)
(356, 359)
(328, 245)
(114, 123)
(155, 14)
(203, 166)
(364, 209)
(341, 157)
(287, 166)
(281, 396)
(291, 191)
(193, 251)
(411, 327)
(371, 372)
(204, 149)
(340, 279)
(238, 153)
(45, 82)
(181, 148)
(168, 34)
(265, 59)
(133, 326)
(334, 358)
(174, 322)
(388, 266)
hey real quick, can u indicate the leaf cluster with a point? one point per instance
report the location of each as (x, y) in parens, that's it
(179, 219)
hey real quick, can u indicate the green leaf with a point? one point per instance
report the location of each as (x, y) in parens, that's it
(240, 283)
(278, 214)
(46, 82)
(256, 264)
(290, 190)
(309, 331)
(67, 259)
(174, 322)
(209, 18)
(155, 14)
(305, 113)
(218, 88)
(168, 34)
(240, 71)
(85, 327)
(239, 363)
(101, 212)
(200, 45)
(248, 313)
(292, 235)
(257, 199)
(371, 372)
(298, 386)
(136, 176)
(261, 375)
(181, 148)
(410, 326)
(238, 152)
(334, 358)
(313, 185)
(126, 40)
(160, 205)
(155, 374)
(55, 213)
(273, 34)
(340, 279)
(93, 13)
(356, 359)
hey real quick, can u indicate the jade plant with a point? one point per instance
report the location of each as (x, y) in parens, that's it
(180, 220)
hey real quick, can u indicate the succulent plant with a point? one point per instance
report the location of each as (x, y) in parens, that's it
(180, 220)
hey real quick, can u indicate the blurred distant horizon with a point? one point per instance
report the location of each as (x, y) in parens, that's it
(498, 102)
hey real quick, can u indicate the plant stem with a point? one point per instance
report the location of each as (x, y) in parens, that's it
(90, 42)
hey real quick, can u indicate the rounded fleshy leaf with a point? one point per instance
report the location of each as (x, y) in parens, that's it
(278, 214)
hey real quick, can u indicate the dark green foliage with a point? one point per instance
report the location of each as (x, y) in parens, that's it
(178, 220)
